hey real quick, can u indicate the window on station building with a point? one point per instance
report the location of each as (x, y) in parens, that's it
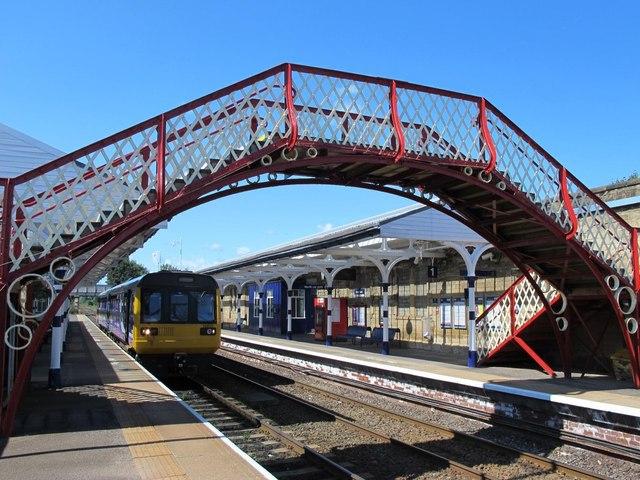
(270, 305)
(256, 304)
(151, 307)
(297, 303)
(453, 313)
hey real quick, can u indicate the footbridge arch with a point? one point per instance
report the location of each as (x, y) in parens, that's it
(295, 124)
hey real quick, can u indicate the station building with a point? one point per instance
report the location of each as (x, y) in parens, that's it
(428, 292)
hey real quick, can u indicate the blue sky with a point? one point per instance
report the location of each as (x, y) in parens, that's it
(567, 72)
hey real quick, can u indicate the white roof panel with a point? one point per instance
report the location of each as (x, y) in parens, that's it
(20, 153)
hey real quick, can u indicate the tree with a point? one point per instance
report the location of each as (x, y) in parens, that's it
(124, 270)
(169, 267)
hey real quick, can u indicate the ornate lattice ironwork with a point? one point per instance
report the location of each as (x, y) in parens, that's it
(510, 312)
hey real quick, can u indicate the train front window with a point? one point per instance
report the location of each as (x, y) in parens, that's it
(204, 303)
(179, 307)
(151, 307)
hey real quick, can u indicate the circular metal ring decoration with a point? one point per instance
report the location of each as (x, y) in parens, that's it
(545, 287)
(632, 325)
(17, 326)
(484, 176)
(468, 171)
(272, 177)
(69, 273)
(409, 190)
(501, 185)
(253, 180)
(563, 323)
(233, 185)
(266, 160)
(28, 322)
(613, 282)
(37, 276)
(312, 152)
(289, 155)
(426, 195)
(563, 304)
(632, 300)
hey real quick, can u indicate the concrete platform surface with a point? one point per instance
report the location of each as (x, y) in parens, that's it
(113, 420)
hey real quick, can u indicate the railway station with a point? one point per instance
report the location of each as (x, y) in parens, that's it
(502, 300)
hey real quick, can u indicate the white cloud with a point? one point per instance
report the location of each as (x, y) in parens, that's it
(197, 263)
(325, 227)
(242, 250)
(215, 246)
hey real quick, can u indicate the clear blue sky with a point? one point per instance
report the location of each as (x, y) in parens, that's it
(567, 72)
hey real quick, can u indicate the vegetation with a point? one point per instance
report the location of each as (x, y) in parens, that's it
(169, 267)
(125, 270)
(622, 181)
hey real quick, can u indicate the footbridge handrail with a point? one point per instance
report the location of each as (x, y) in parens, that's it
(232, 127)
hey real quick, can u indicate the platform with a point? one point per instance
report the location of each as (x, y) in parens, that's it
(113, 420)
(597, 406)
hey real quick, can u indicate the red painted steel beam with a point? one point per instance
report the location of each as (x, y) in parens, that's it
(395, 120)
(160, 158)
(534, 356)
(291, 110)
(635, 260)
(568, 204)
(5, 246)
(486, 136)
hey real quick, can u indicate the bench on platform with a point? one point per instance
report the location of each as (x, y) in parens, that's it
(355, 332)
(376, 335)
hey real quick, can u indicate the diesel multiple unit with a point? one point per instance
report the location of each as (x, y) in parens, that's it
(163, 313)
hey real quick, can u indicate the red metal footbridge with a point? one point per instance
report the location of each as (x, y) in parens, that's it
(294, 125)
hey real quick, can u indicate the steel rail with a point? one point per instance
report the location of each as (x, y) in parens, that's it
(552, 465)
(309, 453)
(468, 472)
(538, 460)
(622, 453)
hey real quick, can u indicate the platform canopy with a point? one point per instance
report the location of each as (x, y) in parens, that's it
(413, 232)
(21, 153)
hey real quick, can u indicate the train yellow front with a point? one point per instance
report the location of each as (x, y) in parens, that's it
(163, 313)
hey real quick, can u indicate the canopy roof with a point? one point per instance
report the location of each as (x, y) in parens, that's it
(382, 241)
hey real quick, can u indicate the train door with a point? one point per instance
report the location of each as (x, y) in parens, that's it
(127, 301)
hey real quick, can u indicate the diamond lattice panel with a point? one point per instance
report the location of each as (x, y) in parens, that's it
(441, 126)
(75, 199)
(211, 136)
(344, 112)
(601, 233)
(494, 326)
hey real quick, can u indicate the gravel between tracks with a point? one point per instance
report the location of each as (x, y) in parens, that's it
(371, 456)
(588, 460)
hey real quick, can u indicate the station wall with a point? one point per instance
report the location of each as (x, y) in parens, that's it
(429, 312)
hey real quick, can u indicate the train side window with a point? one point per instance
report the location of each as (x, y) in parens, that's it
(151, 307)
(204, 304)
(179, 307)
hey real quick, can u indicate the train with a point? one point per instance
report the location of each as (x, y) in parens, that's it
(163, 314)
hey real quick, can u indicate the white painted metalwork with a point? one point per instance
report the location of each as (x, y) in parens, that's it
(519, 304)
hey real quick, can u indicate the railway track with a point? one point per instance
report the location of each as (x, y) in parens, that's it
(628, 454)
(284, 456)
(468, 455)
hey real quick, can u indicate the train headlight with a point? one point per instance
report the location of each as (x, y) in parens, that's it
(208, 331)
(148, 331)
